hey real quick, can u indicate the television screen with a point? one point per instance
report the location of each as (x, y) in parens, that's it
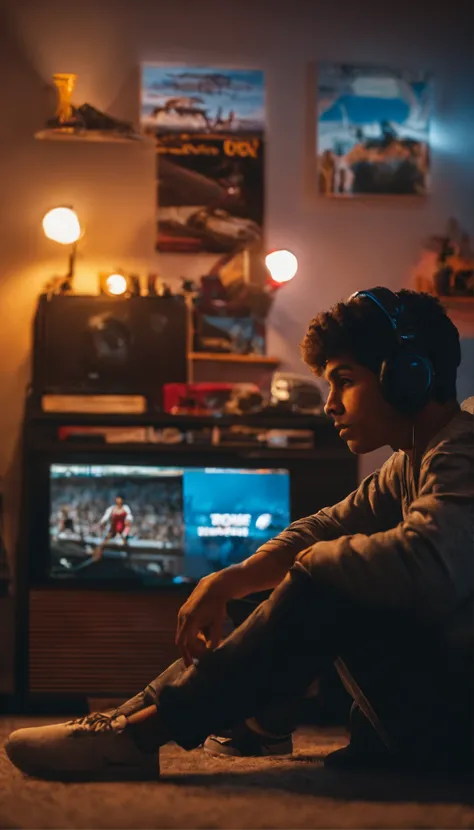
(160, 524)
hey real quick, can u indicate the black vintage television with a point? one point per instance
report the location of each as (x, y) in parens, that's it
(164, 518)
(160, 524)
(162, 521)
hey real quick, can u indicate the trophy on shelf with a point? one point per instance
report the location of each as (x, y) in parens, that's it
(84, 121)
(66, 117)
(64, 84)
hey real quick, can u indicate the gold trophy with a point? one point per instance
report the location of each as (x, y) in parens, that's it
(64, 83)
(84, 121)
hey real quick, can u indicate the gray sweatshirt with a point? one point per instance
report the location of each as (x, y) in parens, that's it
(390, 544)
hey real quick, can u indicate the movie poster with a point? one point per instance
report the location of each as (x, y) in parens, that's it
(209, 129)
(372, 130)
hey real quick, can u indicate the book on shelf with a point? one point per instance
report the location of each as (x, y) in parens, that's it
(95, 404)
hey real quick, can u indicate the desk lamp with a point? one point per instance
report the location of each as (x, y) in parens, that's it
(62, 225)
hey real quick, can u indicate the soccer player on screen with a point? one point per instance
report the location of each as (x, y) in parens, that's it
(118, 519)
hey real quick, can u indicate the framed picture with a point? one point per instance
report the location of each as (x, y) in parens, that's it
(209, 129)
(372, 130)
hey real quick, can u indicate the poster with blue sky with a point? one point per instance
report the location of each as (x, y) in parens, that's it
(208, 124)
(372, 130)
(202, 100)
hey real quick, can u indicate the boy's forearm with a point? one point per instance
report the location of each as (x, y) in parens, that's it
(261, 572)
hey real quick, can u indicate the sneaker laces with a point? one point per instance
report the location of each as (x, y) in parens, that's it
(96, 722)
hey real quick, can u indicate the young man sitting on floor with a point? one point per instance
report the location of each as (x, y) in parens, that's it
(381, 583)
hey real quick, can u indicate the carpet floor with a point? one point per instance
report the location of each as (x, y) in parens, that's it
(197, 790)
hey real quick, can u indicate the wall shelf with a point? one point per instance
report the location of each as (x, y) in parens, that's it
(451, 301)
(227, 357)
(94, 136)
(461, 311)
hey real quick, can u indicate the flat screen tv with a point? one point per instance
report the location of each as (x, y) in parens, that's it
(159, 524)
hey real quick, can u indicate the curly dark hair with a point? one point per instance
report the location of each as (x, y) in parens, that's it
(359, 328)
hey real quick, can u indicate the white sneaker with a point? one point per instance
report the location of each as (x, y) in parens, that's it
(97, 747)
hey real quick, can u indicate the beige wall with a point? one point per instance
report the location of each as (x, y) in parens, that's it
(341, 246)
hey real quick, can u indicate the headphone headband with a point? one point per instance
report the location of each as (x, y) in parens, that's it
(394, 310)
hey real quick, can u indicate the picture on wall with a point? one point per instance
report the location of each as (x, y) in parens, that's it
(372, 130)
(208, 125)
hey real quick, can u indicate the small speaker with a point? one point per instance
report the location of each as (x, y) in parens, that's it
(103, 345)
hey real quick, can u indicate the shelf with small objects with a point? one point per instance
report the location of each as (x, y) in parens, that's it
(85, 122)
(228, 310)
(446, 269)
(211, 333)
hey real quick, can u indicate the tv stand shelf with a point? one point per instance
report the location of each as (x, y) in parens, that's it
(227, 357)
(278, 421)
(41, 435)
(135, 450)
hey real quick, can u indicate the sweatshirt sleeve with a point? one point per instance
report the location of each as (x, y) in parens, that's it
(423, 566)
(375, 505)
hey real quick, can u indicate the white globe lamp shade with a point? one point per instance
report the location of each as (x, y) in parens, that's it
(62, 225)
(282, 265)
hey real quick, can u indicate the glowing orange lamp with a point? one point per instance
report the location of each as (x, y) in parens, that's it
(282, 266)
(62, 225)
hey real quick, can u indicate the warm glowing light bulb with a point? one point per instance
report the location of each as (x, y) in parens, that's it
(62, 225)
(282, 265)
(116, 284)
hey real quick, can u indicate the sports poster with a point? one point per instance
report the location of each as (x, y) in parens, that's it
(209, 129)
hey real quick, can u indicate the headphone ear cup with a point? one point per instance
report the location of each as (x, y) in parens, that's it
(407, 380)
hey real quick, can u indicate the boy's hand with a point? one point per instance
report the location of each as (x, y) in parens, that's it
(201, 618)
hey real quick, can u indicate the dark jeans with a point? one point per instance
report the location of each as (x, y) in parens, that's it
(412, 680)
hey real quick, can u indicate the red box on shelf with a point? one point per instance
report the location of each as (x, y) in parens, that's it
(202, 398)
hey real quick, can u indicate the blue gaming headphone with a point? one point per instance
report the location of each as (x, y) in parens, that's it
(407, 375)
